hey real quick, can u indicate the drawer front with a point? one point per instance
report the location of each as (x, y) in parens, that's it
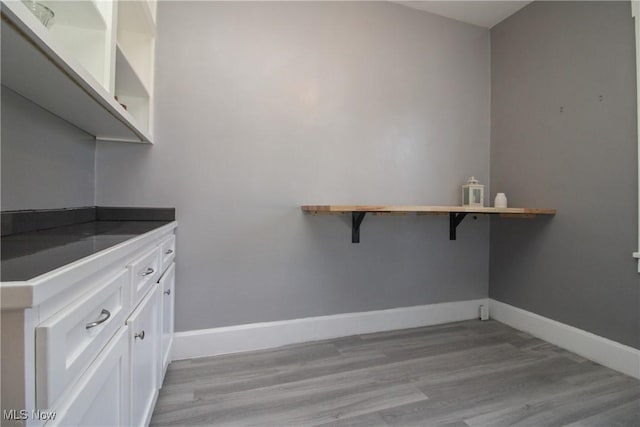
(167, 283)
(69, 341)
(144, 342)
(168, 249)
(144, 273)
(101, 397)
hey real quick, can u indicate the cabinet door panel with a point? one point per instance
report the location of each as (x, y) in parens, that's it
(144, 344)
(101, 397)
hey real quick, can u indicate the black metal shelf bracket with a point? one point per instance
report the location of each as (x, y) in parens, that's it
(454, 221)
(356, 220)
(455, 218)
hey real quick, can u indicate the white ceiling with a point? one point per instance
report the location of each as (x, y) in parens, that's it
(482, 13)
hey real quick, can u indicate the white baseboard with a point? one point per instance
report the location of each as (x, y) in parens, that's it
(609, 353)
(257, 336)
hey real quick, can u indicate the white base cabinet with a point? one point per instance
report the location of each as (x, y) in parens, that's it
(102, 338)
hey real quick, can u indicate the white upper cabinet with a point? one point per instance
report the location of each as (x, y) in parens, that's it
(93, 66)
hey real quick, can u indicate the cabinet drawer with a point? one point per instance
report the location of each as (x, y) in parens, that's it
(168, 251)
(69, 341)
(144, 273)
(101, 397)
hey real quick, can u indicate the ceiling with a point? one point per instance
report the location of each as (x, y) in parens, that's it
(482, 13)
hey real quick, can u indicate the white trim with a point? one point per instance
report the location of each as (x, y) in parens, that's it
(635, 9)
(609, 353)
(257, 336)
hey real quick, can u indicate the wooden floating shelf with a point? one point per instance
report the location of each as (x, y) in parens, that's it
(322, 209)
(456, 213)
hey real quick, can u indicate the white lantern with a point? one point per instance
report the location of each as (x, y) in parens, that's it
(473, 193)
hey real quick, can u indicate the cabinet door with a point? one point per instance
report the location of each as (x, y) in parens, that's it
(167, 284)
(145, 359)
(101, 396)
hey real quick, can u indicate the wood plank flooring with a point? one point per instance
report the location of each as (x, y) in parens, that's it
(465, 374)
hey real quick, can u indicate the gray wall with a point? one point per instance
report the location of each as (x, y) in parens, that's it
(576, 268)
(46, 162)
(262, 107)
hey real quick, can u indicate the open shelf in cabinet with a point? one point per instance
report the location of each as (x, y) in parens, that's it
(137, 16)
(80, 28)
(135, 40)
(131, 90)
(137, 50)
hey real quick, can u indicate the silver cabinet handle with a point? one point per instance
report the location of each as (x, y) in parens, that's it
(167, 292)
(139, 335)
(105, 313)
(148, 271)
(168, 252)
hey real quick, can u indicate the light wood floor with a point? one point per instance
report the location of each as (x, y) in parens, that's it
(464, 374)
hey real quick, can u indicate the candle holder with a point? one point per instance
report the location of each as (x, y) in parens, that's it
(473, 193)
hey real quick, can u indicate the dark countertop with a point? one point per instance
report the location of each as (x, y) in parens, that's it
(27, 255)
